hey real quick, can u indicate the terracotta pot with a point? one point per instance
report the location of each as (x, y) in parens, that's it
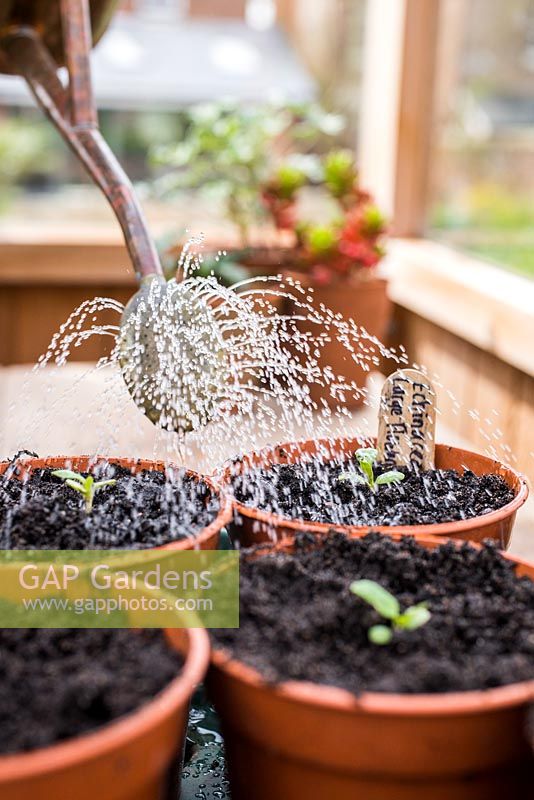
(300, 740)
(251, 525)
(268, 260)
(130, 759)
(364, 300)
(207, 538)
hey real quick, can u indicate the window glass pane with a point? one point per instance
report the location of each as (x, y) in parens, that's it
(483, 165)
(328, 36)
(161, 59)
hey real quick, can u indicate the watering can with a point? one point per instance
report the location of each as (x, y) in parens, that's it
(37, 37)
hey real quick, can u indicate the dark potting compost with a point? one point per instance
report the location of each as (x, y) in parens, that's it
(57, 684)
(315, 492)
(143, 510)
(300, 621)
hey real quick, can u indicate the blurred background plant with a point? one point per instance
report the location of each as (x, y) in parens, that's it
(233, 153)
(354, 238)
(27, 156)
(257, 161)
(303, 54)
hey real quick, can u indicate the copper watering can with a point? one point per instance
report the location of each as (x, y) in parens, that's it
(36, 38)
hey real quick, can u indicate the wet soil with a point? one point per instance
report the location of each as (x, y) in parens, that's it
(57, 684)
(314, 492)
(144, 510)
(300, 621)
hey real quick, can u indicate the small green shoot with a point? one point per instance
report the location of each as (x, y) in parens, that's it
(87, 487)
(366, 458)
(320, 239)
(385, 604)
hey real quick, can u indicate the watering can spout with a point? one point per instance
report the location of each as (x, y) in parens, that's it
(33, 47)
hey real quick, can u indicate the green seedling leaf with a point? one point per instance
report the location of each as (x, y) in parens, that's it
(379, 598)
(394, 476)
(366, 458)
(89, 493)
(389, 608)
(86, 486)
(77, 485)
(380, 634)
(367, 470)
(100, 484)
(414, 617)
(367, 455)
(68, 473)
(352, 477)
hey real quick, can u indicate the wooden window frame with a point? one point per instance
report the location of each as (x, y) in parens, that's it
(397, 118)
(487, 306)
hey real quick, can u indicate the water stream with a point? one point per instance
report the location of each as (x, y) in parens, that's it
(226, 365)
(220, 371)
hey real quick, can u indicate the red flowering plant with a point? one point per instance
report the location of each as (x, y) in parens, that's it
(349, 243)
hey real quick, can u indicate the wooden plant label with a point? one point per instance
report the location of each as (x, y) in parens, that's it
(407, 421)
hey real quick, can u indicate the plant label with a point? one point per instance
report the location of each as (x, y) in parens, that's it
(407, 421)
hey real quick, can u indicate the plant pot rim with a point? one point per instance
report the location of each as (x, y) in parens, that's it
(90, 746)
(223, 517)
(371, 277)
(437, 529)
(382, 703)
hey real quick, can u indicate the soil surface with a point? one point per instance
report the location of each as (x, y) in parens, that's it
(143, 510)
(299, 621)
(313, 491)
(57, 684)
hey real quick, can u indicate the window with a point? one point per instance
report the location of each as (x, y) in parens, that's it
(482, 164)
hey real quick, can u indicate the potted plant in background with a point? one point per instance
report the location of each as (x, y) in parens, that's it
(338, 259)
(264, 167)
(250, 160)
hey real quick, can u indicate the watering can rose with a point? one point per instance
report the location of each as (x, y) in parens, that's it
(118, 589)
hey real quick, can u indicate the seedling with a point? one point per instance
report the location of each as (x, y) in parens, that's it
(87, 487)
(366, 458)
(388, 607)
